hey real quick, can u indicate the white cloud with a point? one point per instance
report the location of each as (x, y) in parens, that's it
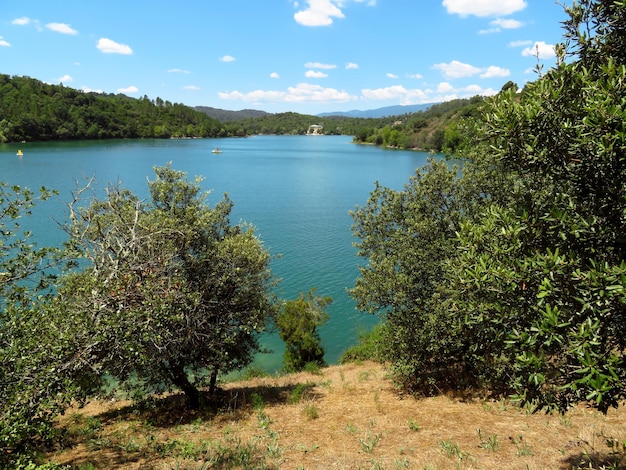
(24, 20)
(308, 92)
(493, 71)
(319, 13)
(315, 74)
(541, 50)
(500, 24)
(445, 87)
(302, 93)
(444, 92)
(65, 79)
(351, 65)
(227, 58)
(507, 23)
(391, 75)
(130, 89)
(108, 46)
(456, 69)
(61, 28)
(484, 7)
(187, 72)
(416, 75)
(319, 65)
(475, 90)
(396, 93)
(520, 43)
(191, 87)
(4, 43)
(274, 75)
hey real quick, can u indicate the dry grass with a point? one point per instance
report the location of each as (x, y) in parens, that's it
(347, 417)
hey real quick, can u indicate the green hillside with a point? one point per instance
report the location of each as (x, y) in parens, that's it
(31, 110)
(437, 128)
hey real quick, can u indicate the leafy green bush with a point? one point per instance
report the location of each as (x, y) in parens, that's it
(297, 326)
(369, 347)
(37, 359)
(511, 274)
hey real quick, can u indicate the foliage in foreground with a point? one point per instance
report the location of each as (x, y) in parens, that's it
(170, 290)
(36, 364)
(158, 295)
(512, 276)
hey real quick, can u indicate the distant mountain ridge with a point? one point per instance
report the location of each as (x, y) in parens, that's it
(397, 110)
(224, 115)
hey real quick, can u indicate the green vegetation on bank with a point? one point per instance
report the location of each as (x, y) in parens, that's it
(297, 325)
(437, 129)
(31, 110)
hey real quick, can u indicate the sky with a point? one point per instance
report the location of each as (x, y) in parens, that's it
(305, 56)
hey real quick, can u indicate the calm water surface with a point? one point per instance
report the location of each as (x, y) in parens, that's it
(296, 190)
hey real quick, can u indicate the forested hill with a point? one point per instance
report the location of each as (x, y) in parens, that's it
(437, 128)
(32, 110)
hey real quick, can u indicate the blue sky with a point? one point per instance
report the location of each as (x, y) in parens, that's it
(307, 56)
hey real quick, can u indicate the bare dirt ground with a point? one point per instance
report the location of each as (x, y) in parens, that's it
(346, 417)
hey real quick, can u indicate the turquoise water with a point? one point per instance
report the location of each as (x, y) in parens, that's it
(296, 190)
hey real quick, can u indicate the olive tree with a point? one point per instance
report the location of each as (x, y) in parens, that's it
(553, 271)
(168, 291)
(406, 236)
(36, 366)
(513, 274)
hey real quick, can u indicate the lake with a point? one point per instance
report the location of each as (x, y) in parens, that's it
(296, 190)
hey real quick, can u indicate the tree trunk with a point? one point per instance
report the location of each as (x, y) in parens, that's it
(180, 379)
(213, 381)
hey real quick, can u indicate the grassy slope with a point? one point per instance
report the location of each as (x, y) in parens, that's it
(348, 416)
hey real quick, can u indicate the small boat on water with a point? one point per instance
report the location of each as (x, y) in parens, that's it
(19, 153)
(216, 150)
